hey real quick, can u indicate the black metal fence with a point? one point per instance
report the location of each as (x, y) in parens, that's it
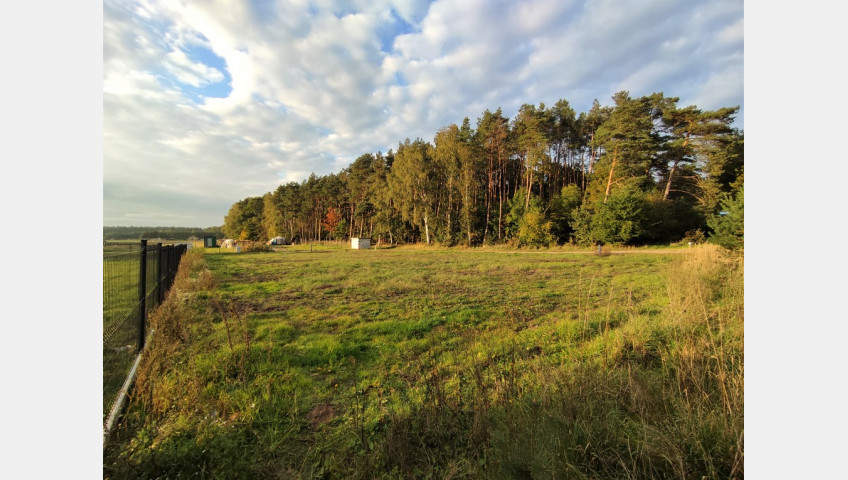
(136, 277)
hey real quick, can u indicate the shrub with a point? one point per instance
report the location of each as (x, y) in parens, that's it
(251, 246)
(533, 230)
(618, 221)
(729, 228)
(694, 236)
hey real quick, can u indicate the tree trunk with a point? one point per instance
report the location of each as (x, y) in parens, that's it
(500, 213)
(612, 169)
(583, 169)
(488, 201)
(426, 229)
(591, 155)
(501, 188)
(673, 169)
(541, 180)
(350, 227)
(467, 207)
(668, 183)
(450, 207)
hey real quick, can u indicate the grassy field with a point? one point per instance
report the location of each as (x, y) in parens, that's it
(441, 363)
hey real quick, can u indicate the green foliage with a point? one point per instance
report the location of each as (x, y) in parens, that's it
(528, 226)
(581, 224)
(248, 246)
(244, 220)
(341, 228)
(272, 218)
(462, 187)
(694, 236)
(516, 212)
(620, 219)
(628, 136)
(668, 220)
(414, 182)
(562, 212)
(617, 221)
(729, 229)
(534, 229)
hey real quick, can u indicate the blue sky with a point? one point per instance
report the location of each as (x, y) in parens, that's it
(209, 102)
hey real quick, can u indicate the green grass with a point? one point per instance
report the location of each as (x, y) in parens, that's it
(120, 318)
(441, 363)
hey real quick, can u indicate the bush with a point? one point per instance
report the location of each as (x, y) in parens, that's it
(533, 230)
(729, 229)
(618, 221)
(695, 236)
(251, 246)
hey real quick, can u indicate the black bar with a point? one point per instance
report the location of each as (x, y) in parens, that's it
(142, 295)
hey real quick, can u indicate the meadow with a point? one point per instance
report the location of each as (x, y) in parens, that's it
(441, 363)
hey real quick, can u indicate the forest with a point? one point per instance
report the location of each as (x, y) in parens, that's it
(171, 233)
(639, 171)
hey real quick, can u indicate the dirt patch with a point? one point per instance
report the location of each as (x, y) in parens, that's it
(321, 414)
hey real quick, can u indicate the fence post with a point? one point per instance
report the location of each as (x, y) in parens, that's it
(142, 294)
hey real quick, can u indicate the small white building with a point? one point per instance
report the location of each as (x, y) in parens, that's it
(228, 243)
(360, 243)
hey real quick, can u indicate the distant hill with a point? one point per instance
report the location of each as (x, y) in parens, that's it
(172, 233)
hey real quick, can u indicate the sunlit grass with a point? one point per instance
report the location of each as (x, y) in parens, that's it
(416, 362)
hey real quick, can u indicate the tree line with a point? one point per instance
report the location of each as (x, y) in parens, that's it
(171, 233)
(639, 171)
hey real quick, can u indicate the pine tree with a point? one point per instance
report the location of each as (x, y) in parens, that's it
(729, 224)
(629, 143)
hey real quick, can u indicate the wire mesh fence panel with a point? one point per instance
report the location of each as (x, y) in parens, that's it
(121, 315)
(152, 277)
(134, 283)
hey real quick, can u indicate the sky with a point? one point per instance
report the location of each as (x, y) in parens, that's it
(209, 102)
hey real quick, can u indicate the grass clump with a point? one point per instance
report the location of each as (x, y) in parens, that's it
(441, 363)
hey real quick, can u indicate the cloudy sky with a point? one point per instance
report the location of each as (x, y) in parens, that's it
(208, 102)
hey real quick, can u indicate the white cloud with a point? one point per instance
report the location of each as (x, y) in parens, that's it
(719, 90)
(193, 73)
(314, 87)
(732, 34)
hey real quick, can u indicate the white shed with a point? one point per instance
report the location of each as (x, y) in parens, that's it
(360, 243)
(228, 243)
